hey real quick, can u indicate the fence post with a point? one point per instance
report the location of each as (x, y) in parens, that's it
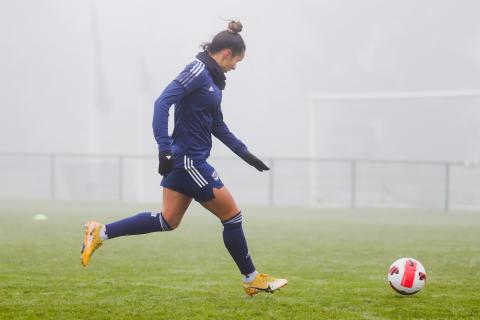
(353, 183)
(52, 176)
(447, 187)
(271, 190)
(120, 178)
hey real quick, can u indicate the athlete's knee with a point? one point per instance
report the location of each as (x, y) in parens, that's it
(230, 214)
(171, 220)
(232, 224)
(161, 222)
(173, 225)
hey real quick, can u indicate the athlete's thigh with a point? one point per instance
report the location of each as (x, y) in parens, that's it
(174, 206)
(222, 205)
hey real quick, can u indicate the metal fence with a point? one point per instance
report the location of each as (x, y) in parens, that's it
(347, 183)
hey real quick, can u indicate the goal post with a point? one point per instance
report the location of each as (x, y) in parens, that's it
(415, 127)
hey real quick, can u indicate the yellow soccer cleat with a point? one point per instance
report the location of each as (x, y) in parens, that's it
(264, 283)
(91, 241)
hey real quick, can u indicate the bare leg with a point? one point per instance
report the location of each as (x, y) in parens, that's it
(174, 206)
(223, 205)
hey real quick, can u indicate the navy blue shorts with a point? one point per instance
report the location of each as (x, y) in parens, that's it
(195, 180)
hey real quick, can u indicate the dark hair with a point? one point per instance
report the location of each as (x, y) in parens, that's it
(227, 39)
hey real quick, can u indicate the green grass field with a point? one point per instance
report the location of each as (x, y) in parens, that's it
(336, 262)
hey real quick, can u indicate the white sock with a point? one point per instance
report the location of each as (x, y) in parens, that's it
(249, 277)
(103, 233)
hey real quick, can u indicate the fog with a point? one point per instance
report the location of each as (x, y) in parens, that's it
(82, 76)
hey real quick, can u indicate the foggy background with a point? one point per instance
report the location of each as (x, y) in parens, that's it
(80, 77)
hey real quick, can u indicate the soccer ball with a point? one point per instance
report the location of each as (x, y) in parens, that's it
(407, 276)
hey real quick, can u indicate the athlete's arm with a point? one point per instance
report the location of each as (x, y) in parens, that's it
(172, 94)
(221, 131)
(190, 79)
(186, 82)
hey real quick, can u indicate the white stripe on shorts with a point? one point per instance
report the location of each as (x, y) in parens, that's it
(191, 173)
(198, 173)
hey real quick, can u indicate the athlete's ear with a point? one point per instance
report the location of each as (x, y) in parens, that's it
(227, 53)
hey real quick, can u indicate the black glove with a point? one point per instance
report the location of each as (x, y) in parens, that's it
(165, 163)
(255, 162)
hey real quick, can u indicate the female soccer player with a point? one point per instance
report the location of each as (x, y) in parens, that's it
(196, 94)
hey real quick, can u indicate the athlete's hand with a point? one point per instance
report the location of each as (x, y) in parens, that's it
(165, 163)
(255, 162)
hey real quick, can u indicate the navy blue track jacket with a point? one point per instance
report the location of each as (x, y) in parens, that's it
(198, 115)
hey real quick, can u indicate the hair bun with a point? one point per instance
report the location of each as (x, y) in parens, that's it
(235, 26)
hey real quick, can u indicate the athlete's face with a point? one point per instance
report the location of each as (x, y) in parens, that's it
(229, 61)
